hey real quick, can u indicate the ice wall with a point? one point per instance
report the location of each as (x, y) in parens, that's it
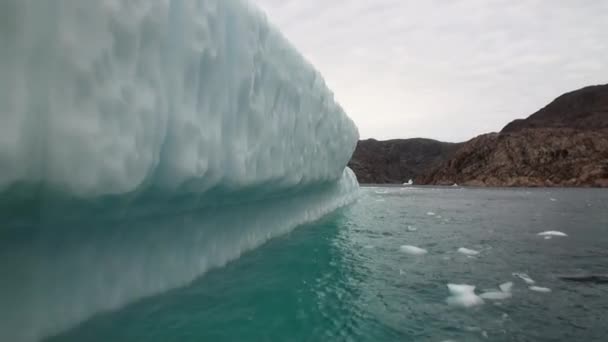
(109, 96)
(143, 142)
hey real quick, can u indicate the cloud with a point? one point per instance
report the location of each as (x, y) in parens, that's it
(448, 70)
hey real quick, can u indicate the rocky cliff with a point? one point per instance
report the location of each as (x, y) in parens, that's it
(397, 161)
(563, 144)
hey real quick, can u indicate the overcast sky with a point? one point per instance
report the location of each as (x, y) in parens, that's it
(446, 69)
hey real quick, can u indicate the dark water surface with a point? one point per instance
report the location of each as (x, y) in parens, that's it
(346, 279)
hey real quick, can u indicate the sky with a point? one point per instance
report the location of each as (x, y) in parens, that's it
(446, 69)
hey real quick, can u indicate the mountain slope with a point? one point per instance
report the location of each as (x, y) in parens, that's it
(397, 161)
(563, 144)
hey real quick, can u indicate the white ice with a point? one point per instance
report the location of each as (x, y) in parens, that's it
(430, 213)
(113, 97)
(506, 287)
(526, 278)
(540, 289)
(412, 250)
(467, 251)
(463, 295)
(504, 293)
(104, 97)
(552, 233)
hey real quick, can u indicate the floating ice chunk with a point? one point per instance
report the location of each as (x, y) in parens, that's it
(548, 237)
(540, 289)
(411, 229)
(504, 293)
(467, 251)
(552, 233)
(463, 295)
(412, 250)
(553, 199)
(430, 213)
(524, 277)
(368, 247)
(410, 182)
(506, 287)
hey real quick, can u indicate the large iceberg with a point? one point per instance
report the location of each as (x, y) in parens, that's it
(144, 142)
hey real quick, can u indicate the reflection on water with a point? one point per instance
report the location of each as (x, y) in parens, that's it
(345, 278)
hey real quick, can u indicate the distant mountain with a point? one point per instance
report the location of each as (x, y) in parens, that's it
(583, 109)
(397, 161)
(563, 144)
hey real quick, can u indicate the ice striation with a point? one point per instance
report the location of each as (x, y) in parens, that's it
(144, 143)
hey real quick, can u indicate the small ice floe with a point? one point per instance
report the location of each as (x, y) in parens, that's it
(410, 182)
(463, 295)
(430, 213)
(526, 278)
(411, 229)
(504, 293)
(455, 185)
(467, 251)
(553, 199)
(506, 287)
(540, 289)
(552, 233)
(412, 250)
(368, 247)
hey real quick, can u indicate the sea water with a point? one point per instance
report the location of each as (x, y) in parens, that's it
(346, 277)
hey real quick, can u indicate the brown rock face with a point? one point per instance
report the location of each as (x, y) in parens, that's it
(397, 161)
(583, 109)
(563, 144)
(530, 157)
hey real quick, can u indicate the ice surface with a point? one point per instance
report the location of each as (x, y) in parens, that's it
(540, 289)
(467, 251)
(504, 293)
(506, 287)
(430, 213)
(463, 295)
(107, 97)
(200, 100)
(552, 233)
(412, 250)
(526, 278)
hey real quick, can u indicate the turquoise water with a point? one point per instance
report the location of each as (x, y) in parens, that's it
(345, 279)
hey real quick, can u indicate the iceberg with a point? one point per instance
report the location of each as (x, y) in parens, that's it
(144, 143)
(462, 295)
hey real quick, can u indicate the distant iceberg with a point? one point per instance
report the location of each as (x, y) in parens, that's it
(552, 233)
